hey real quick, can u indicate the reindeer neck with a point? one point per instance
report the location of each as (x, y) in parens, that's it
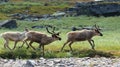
(23, 35)
(91, 34)
(51, 39)
(48, 40)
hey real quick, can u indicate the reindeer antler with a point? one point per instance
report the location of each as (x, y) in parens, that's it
(53, 29)
(50, 27)
(94, 26)
(48, 30)
(26, 29)
(97, 27)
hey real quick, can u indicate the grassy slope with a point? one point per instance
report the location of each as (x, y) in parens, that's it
(108, 43)
(49, 0)
(36, 6)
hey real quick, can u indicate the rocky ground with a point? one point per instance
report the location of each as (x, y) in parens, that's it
(62, 62)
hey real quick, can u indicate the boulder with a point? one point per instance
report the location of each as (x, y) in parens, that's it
(29, 63)
(9, 24)
(96, 8)
(58, 14)
(112, 0)
(38, 26)
(4, 0)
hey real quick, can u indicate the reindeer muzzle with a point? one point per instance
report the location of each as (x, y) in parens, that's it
(60, 39)
(101, 34)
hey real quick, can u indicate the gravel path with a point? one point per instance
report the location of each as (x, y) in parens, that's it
(62, 62)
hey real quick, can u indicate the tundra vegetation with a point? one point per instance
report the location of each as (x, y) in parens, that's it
(108, 45)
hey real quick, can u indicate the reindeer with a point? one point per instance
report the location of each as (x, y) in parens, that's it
(13, 36)
(82, 35)
(41, 38)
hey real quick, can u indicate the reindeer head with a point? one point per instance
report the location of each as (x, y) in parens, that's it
(97, 30)
(54, 35)
(26, 29)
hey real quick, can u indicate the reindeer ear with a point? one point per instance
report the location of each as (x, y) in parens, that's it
(58, 33)
(26, 29)
(95, 29)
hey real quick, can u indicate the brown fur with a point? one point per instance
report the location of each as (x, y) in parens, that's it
(41, 38)
(82, 35)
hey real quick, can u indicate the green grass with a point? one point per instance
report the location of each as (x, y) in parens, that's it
(36, 8)
(107, 46)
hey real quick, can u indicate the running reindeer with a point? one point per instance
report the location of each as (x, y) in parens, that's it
(82, 35)
(41, 38)
(13, 36)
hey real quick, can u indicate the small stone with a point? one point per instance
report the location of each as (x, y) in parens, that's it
(60, 65)
(57, 60)
(17, 64)
(41, 58)
(50, 63)
(5, 60)
(29, 63)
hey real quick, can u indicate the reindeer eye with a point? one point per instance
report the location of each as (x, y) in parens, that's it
(57, 34)
(98, 31)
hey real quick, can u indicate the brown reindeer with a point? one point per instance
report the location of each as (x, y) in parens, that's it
(82, 35)
(13, 36)
(41, 38)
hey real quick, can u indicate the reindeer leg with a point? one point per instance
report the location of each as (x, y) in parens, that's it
(70, 46)
(6, 44)
(43, 49)
(64, 45)
(31, 44)
(15, 44)
(40, 45)
(22, 44)
(27, 44)
(92, 45)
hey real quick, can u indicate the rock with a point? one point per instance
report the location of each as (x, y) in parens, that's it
(29, 63)
(96, 8)
(17, 63)
(63, 62)
(27, 17)
(9, 63)
(37, 26)
(41, 58)
(58, 14)
(112, 0)
(57, 61)
(81, 28)
(50, 63)
(60, 65)
(9, 24)
(4, 0)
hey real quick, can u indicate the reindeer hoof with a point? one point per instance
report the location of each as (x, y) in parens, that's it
(93, 48)
(19, 47)
(27, 48)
